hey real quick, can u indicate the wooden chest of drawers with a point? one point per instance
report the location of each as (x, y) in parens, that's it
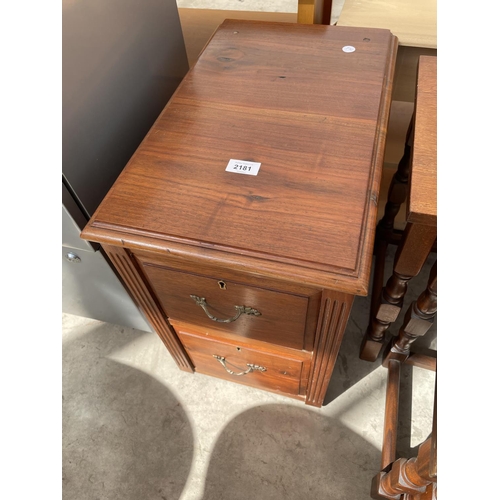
(249, 275)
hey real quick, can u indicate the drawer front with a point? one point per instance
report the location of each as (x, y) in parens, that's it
(211, 302)
(245, 364)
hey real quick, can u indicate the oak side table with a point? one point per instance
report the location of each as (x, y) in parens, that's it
(420, 233)
(414, 477)
(244, 223)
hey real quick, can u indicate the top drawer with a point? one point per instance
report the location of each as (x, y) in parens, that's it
(231, 306)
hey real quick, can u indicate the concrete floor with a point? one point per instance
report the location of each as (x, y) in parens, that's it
(136, 427)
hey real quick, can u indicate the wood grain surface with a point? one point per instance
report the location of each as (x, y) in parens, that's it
(198, 25)
(422, 207)
(314, 116)
(333, 316)
(126, 266)
(282, 318)
(284, 373)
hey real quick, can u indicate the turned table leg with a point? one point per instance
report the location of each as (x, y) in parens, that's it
(415, 477)
(418, 320)
(385, 228)
(397, 191)
(407, 476)
(413, 250)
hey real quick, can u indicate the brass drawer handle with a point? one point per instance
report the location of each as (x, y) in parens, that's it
(241, 310)
(251, 368)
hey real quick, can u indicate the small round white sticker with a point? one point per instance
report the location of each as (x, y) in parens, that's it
(348, 48)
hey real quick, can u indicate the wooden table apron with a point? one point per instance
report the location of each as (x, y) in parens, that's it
(310, 104)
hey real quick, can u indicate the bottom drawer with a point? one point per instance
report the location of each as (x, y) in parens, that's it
(278, 371)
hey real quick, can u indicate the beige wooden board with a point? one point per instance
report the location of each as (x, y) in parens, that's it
(414, 23)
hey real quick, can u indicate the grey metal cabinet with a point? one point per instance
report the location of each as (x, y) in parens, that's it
(122, 61)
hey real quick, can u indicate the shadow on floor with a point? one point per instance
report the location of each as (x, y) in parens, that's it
(274, 452)
(125, 435)
(349, 369)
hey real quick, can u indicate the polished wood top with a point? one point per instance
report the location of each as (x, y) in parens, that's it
(286, 96)
(198, 25)
(414, 23)
(422, 206)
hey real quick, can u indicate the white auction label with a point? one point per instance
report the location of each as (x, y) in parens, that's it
(348, 48)
(243, 167)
